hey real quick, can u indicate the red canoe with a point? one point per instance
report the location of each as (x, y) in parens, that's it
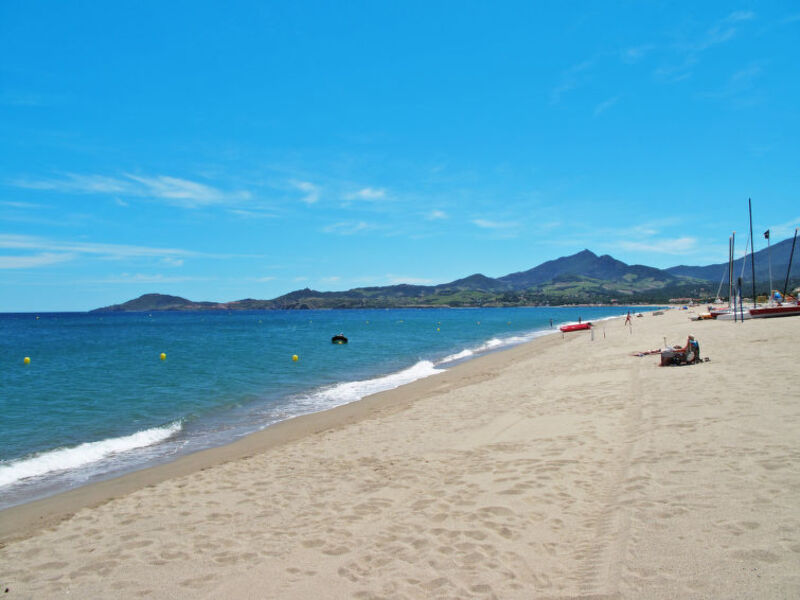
(576, 327)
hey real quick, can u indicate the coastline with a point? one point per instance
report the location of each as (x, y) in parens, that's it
(564, 467)
(24, 519)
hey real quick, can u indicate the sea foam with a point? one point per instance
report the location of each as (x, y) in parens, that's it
(82, 455)
(351, 391)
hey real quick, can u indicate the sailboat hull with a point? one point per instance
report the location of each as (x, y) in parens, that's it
(775, 311)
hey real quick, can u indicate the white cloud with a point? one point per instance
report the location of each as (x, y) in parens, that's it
(348, 227)
(486, 224)
(636, 53)
(689, 52)
(310, 190)
(252, 214)
(571, 79)
(435, 215)
(43, 251)
(682, 245)
(148, 278)
(605, 105)
(367, 193)
(783, 230)
(176, 191)
(29, 242)
(331, 279)
(25, 205)
(32, 261)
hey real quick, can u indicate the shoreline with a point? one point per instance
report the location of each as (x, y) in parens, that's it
(566, 467)
(22, 520)
(107, 487)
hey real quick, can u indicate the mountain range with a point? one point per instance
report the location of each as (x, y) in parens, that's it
(583, 277)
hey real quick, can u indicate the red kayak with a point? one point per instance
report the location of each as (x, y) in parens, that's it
(576, 327)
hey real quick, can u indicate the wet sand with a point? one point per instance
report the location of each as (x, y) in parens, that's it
(564, 468)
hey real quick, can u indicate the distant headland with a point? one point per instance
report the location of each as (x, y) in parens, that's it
(582, 278)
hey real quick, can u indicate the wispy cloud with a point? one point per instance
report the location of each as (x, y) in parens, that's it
(436, 215)
(174, 190)
(690, 51)
(29, 242)
(32, 261)
(740, 89)
(572, 78)
(367, 193)
(783, 230)
(634, 54)
(184, 192)
(487, 224)
(149, 278)
(24, 205)
(605, 105)
(682, 245)
(43, 251)
(252, 214)
(722, 31)
(311, 192)
(348, 227)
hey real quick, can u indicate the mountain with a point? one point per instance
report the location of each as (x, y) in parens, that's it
(151, 302)
(778, 254)
(582, 277)
(586, 264)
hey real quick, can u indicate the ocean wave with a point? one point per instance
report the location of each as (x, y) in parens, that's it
(493, 344)
(64, 459)
(352, 391)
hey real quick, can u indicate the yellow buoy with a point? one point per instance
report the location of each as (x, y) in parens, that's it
(295, 358)
(163, 356)
(27, 360)
(437, 329)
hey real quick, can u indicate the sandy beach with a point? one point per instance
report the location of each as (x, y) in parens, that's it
(563, 468)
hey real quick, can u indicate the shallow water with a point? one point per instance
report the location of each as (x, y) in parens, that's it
(96, 400)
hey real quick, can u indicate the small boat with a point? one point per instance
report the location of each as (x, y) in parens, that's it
(339, 339)
(784, 310)
(575, 327)
(738, 315)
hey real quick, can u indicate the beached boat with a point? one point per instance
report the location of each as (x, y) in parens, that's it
(575, 327)
(784, 310)
(734, 316)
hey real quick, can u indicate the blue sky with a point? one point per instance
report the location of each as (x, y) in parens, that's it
(219, 151)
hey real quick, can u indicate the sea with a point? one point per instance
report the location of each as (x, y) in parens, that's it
(108, 393)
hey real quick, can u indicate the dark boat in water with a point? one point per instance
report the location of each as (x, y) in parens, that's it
(339, 339)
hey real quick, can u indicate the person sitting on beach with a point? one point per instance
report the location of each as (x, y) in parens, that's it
(688, 354)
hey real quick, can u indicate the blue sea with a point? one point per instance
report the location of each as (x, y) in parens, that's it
(96, 399)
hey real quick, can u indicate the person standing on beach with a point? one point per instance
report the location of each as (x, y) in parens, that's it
(628, 319)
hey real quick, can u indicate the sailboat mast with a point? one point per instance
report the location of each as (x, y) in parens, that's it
(788, 270)
(769, 260)
(752, 251)
(731, 299)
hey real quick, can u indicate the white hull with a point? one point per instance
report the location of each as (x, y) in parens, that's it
(730, 316)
